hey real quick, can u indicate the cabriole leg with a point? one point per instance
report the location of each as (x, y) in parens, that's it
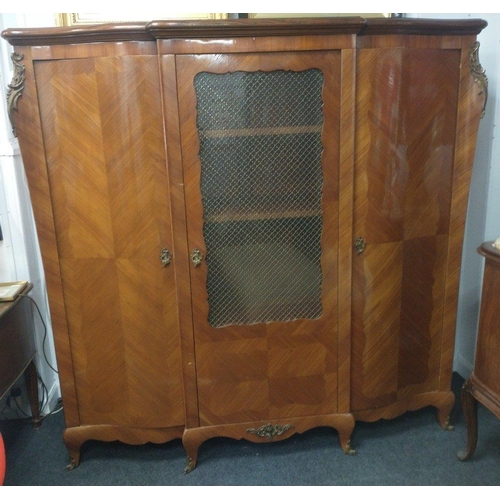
(469, 407)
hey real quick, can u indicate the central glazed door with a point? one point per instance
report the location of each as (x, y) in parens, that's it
(260, 149)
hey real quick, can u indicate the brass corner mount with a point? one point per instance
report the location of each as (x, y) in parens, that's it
(15, 89)
(479, 74)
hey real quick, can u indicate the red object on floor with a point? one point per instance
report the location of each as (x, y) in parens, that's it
(2, 461)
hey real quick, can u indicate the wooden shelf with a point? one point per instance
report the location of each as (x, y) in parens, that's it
(264, 215)
(245, 132)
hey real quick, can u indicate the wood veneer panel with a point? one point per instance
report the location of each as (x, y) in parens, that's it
(277, 28)
(408, 42)
(346, 192)
(255, 44)
(421, 315)
(471, 102)
(98, 49)
(375, 332)
(106, 165)
(406, 120)
(30, 138)
(181, 253)
(266, 391)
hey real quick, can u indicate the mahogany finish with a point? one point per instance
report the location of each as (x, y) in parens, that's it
(109, 139)
(483, 385)
(406, 121)
(240, 28)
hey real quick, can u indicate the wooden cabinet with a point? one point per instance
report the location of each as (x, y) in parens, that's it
(483, 385)
(249, 227)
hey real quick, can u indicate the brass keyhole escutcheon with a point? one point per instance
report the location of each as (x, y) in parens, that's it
(165, 257)
(359, 245)
(196, 257)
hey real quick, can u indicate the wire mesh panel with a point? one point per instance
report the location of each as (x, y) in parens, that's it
(261, 184)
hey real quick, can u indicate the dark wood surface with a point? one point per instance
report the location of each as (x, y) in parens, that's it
(483, 385)
(108, 137)
(17, 349)
(17, 342)
(399, 281)
(223, 28)
(407, 26)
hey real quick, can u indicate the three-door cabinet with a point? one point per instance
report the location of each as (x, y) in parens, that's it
(249, 228)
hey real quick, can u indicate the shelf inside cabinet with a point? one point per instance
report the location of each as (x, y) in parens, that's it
(264, 215)
(245, 132)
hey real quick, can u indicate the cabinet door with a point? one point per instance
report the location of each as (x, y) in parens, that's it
(103, 133)
(406, 124)
(260, 147)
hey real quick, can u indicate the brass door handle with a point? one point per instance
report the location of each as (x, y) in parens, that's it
(165, 257)
(359, 245)
(196, 257)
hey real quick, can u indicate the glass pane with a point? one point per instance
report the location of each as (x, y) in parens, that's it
(261, 184)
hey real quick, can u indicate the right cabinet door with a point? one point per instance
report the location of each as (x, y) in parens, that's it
(406, 121)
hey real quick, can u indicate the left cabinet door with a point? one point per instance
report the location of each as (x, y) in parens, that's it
(105, 153)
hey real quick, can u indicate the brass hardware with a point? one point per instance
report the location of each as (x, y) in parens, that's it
(348, 450)
(196, 257)
(270, 431)
(359, 245)
(165, 257)
(190, 465)
(447, 426)
(479, 74)
(16, 88)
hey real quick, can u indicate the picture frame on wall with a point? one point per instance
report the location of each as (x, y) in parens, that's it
(85, 18)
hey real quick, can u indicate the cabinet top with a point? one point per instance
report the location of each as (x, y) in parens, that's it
(240, 28)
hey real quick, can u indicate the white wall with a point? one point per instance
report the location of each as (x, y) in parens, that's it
(19, 251)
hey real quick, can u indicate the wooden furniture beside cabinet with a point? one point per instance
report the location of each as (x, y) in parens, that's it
(17, 349)
(249, 228)
(483, 385)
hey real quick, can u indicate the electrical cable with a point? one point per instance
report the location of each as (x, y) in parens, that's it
(20, 409)
(45, 332)
(45, 393)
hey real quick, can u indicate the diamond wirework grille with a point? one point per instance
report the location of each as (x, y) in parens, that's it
(261, 184)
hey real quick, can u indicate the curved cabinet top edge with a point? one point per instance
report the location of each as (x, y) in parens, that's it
(63, 35)
(407, 26)
(153, 30)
